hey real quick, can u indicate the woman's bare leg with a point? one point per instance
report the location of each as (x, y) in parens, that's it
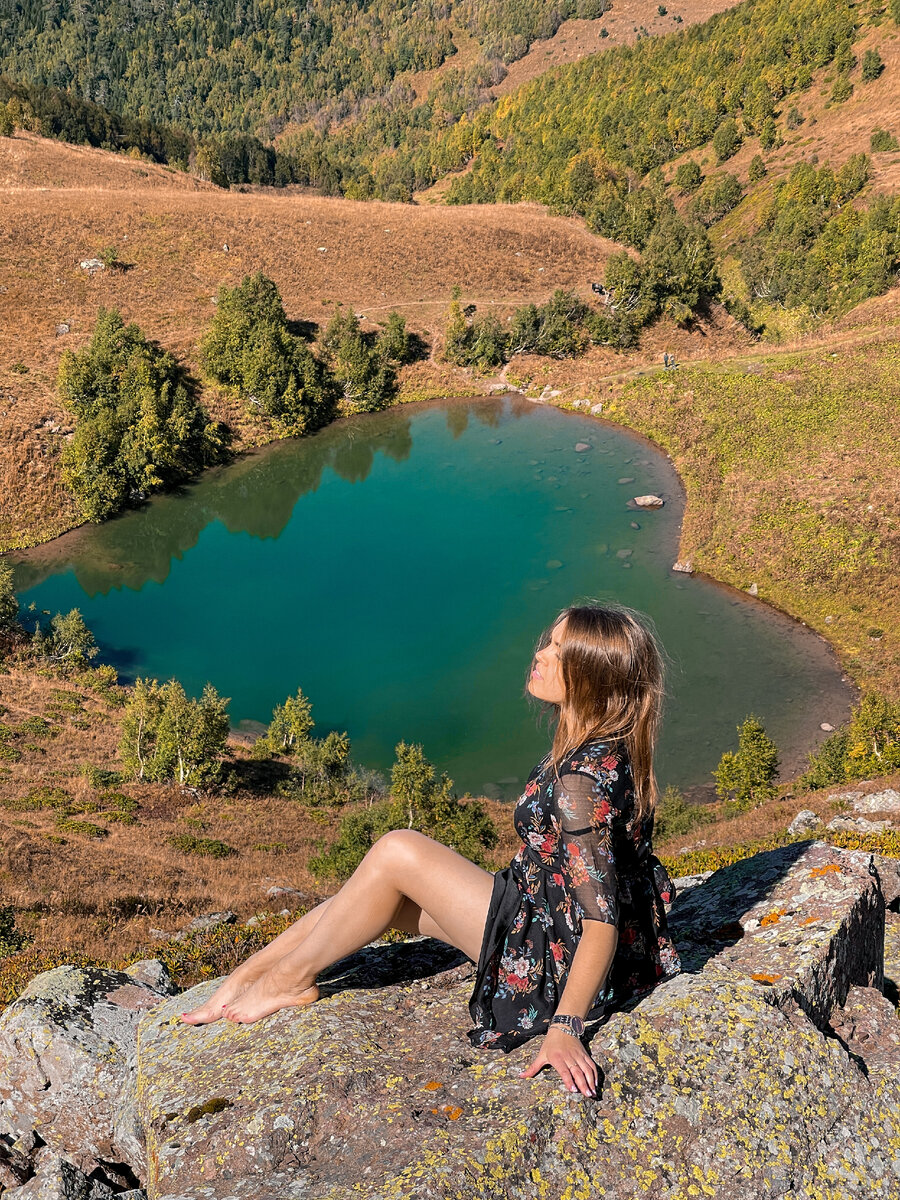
(257, 964)
(403, 866)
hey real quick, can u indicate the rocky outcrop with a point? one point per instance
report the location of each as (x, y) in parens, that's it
(67, 1057)
(769, 1068)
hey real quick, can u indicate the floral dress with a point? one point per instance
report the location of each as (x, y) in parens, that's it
(583, 857)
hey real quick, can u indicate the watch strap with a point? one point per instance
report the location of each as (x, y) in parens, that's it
(571, 1024)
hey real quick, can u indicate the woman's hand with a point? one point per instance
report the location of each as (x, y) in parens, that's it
(567, 1055)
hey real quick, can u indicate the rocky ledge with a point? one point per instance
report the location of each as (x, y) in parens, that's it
(769, 1068)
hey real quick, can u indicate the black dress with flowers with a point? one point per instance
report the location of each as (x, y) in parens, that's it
(583, 857)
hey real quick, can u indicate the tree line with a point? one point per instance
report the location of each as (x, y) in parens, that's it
(140, 426)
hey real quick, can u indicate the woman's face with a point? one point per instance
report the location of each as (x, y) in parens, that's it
(546, 682)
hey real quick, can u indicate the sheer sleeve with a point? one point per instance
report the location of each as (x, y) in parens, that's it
(586, 815)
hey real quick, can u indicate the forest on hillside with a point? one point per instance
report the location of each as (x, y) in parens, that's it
(253, 66)
(588, 139)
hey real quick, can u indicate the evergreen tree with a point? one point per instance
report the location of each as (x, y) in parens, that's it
(688, 176)
(248, 346)
(727, 140)
(139, 428)
(748, 776)
(418, 801)
(872, 65)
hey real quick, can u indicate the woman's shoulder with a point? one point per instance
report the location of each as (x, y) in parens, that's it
(599, 756)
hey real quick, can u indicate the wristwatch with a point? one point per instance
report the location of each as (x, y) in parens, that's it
(573, 1025)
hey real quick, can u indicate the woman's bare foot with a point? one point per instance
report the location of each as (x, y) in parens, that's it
(271, 992)
(214, 1008)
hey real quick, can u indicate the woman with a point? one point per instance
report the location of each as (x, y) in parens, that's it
(575, 924)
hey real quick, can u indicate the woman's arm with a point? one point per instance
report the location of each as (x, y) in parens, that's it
(587, 974)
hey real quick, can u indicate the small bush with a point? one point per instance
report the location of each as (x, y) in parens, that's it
(872, 65)
(674, 816)
(35, 727)
(75, 825)
(827, 765)
(100, 777)
(688, 176)
(187, 843)
(883, 141)
(11, 939)
(757, 169)
(842, 90)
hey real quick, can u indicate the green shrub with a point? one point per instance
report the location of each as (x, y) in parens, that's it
(872, 65)
(75, 825)
(674, 816)
(747, 777)
(11, 939)
(418, 801)
(726, 140)
(828, 764)
(688, 176)
(882, 141)
(757, 169)
(842, 90)
(100, 777)
(9, 605)
(187, 843)
(139, 426)
(36, 727)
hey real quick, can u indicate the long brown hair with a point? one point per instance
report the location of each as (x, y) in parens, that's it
(612, 668)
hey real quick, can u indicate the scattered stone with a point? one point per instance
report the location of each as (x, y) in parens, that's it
(685, 566)
(805, 819)
(580, 447)
(596, 409)
(626, 479)
(634, 525)
(153, 974)
(276, 891)
(624, 553)
(553, 564)
(752, 590)
(58, 1179)
(62, 328)
(858, 824)
(684, 883)
(207, 921)
(849, 797)
(829, 620)
(649, 501)
(886, 801)
(91, 265)
(826, 728)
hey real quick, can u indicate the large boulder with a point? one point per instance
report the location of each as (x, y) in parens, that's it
(767, 1068)
(770, 1067)
(67, 1050)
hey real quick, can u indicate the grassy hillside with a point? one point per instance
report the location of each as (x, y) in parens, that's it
(374, 257)
(91, 875)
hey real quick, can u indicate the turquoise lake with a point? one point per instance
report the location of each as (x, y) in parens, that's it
(399, 568)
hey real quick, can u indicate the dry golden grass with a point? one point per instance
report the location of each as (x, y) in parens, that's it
(103, 895)
(377, 257)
